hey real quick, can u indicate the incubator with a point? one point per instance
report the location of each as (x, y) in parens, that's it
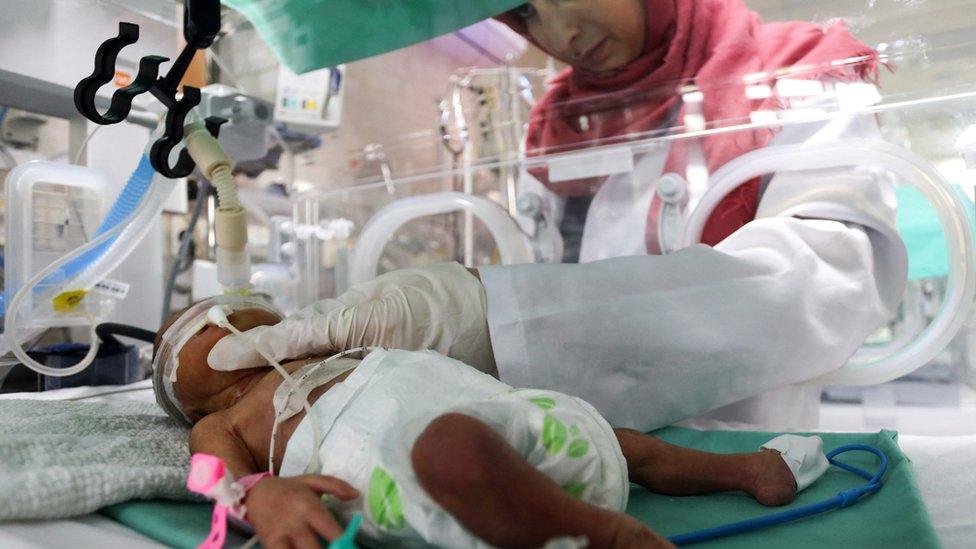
(875, 134)
(465, 179)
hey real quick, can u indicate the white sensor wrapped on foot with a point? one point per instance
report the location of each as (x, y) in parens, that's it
(803, 455)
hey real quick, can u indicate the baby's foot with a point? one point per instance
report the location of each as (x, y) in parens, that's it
(773, 483)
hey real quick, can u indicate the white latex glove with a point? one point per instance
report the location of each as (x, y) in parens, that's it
(440, 307)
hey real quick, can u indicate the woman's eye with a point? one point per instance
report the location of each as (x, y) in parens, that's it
(525, 11)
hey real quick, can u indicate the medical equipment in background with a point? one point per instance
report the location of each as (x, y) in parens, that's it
(52, 295)
(310, 102)
(67, 282)
(200, 27)
(140, 202)
(513, 246)
(116, 363)
(245, 136)
(503, 98)
(485, 115)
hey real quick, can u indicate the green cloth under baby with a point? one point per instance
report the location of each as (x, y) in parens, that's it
(893, 517)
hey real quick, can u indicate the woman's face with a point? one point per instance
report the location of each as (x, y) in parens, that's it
(594, 35)
(203, 390)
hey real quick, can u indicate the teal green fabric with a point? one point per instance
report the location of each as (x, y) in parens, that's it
(175, 524)
(919, 228)
(313, 34)
(893, 517)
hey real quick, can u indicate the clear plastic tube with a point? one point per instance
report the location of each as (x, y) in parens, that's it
(951, 211)
(143, 214)
(127, 201)
(132, 234)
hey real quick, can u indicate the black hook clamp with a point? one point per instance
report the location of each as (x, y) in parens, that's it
(200, 27)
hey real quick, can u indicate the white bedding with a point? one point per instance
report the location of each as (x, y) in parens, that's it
(944, 467)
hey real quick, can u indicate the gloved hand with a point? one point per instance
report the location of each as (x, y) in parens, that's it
(440, 307)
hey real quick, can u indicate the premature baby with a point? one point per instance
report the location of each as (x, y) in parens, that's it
(431, 450)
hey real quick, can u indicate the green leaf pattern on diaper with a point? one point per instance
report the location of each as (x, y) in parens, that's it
(543, 402)
(553, 434)
(383, 500)
(578, 448)
(575, 489)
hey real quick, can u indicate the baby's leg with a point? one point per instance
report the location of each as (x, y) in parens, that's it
(476, 476)
(672, 470)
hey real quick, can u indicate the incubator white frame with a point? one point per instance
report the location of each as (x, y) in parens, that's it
(949, 207)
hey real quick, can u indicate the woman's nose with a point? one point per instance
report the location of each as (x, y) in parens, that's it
(563, 27)
(569, 32)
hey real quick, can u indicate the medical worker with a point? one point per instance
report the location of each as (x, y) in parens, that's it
(795, 270)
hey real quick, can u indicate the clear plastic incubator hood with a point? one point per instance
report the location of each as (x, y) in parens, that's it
(504, 176)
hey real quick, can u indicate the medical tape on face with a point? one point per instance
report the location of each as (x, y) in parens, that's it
(200, 322)
(191, 332)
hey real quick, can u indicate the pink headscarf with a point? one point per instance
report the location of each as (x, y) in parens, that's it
(703, 42)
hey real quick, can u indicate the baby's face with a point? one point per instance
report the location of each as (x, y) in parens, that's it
(203, 390)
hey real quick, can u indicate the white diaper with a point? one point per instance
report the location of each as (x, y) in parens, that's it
(371, 420)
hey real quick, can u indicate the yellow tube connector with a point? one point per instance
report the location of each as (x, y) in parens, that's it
(230, 223)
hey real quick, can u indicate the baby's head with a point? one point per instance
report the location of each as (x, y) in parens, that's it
(185, 385)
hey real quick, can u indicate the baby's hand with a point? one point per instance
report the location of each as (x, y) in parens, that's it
(288, 512)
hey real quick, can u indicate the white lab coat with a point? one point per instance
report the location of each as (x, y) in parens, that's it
(746, 325)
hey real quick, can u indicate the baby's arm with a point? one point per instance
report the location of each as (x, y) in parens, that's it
(285, 512)
(216, 435)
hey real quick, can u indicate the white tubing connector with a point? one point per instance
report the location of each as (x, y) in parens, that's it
(233, 260)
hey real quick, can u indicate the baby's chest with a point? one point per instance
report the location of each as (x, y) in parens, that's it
(258, 429)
